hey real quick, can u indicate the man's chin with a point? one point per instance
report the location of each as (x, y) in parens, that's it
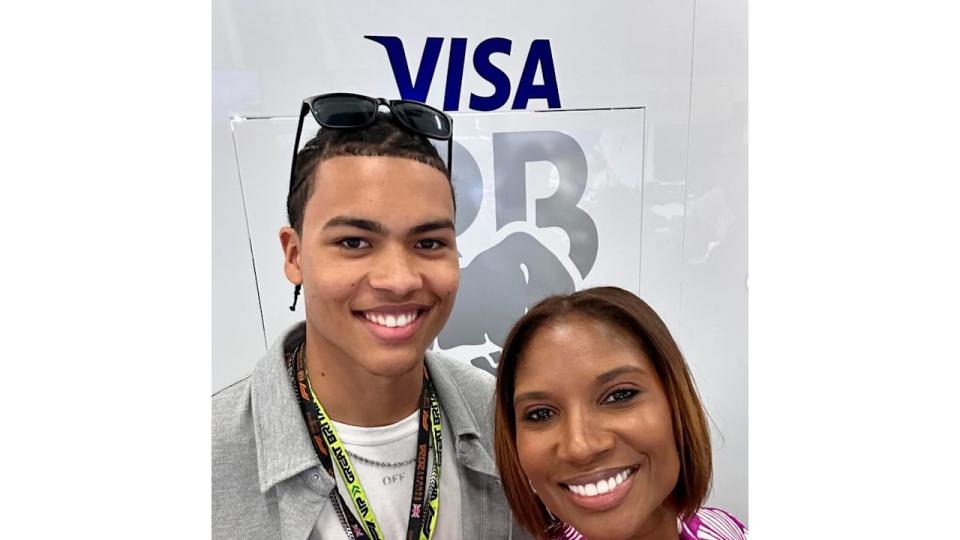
(394, 366)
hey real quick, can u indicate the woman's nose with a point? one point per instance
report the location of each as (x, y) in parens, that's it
(583, 440)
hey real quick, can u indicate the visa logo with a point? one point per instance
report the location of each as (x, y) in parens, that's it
(539, 59)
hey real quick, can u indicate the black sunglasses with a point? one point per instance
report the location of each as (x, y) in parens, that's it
(353, 111)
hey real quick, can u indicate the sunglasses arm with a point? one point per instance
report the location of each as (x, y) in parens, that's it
(450, 157)
(304, 109)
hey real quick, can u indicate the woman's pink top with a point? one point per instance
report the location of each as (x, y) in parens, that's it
(706, 524)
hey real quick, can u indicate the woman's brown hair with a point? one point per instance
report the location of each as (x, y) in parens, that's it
(623, 310)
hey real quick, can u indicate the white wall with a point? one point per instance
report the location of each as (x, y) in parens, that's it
(683, 62)
(713, 304)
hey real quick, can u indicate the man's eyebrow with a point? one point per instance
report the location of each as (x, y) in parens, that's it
(432, 226)
(604, 378)
(355, 222)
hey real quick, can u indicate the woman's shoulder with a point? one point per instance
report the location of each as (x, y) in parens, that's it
(712, 523)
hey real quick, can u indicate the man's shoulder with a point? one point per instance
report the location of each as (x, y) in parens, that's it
(461, 369)
(233, 405)
(475, 384)
(239, 510)
(231, 414)
(232, 396)
(230, 392)
(465, 393)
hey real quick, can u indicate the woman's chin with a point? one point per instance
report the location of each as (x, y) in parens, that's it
(606, 531)
(621, 523)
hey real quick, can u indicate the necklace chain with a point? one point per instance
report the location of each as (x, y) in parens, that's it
(385, 464)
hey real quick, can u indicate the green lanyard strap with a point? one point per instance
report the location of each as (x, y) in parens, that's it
(425, 503)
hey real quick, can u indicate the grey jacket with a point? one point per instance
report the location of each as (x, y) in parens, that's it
(268, 482)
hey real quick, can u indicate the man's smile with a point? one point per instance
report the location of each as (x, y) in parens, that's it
(390, 320)
(393, 323)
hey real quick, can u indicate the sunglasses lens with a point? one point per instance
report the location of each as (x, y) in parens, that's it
(426, 120)
(341, 112)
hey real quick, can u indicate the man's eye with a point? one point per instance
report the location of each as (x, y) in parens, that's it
(354, 243)
(430, 244)
(538, 415)
(622, 394)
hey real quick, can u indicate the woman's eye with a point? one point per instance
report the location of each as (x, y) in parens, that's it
(354, 243)
(622, 394)
(538, 415)
(430, 244)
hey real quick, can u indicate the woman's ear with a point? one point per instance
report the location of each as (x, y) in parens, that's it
(290, 242)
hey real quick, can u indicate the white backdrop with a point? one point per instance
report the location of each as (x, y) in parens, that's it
(650, 129)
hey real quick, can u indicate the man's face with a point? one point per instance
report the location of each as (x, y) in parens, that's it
(378, 261)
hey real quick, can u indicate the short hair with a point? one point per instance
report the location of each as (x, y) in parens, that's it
(626, 312)
(385, 137)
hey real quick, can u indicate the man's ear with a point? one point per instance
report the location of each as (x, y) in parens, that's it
(290, 242)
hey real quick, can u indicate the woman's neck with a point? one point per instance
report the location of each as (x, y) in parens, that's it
(661, 525)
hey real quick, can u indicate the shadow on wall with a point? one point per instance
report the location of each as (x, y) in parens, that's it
(503, 281)
(497, 288)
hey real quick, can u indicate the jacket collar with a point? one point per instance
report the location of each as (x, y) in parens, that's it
(462, 418)
(465, 413)
(283, 444)
(284, 448)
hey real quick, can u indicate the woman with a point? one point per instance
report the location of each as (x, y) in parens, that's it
(599, 432)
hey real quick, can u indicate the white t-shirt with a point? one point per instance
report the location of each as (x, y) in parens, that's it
(388, 489)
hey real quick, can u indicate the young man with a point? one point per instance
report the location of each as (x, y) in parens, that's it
(349, 427)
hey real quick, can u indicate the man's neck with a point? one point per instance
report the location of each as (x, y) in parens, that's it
(354, 396)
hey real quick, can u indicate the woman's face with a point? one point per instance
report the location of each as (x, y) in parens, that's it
(594, 430)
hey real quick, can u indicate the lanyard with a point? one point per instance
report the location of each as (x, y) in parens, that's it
(332, 454)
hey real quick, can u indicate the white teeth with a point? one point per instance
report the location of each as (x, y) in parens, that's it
(390, 320)
(602, 486)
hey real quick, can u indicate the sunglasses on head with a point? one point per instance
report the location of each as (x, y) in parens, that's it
(353, 111)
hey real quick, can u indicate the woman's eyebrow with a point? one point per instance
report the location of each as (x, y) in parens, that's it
(603, 378)
(608, 376)
(530, 396)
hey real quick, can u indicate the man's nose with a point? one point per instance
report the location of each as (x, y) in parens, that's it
(396, 270)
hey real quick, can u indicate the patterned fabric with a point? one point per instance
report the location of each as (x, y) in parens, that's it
(706, 524)
(712, 524)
